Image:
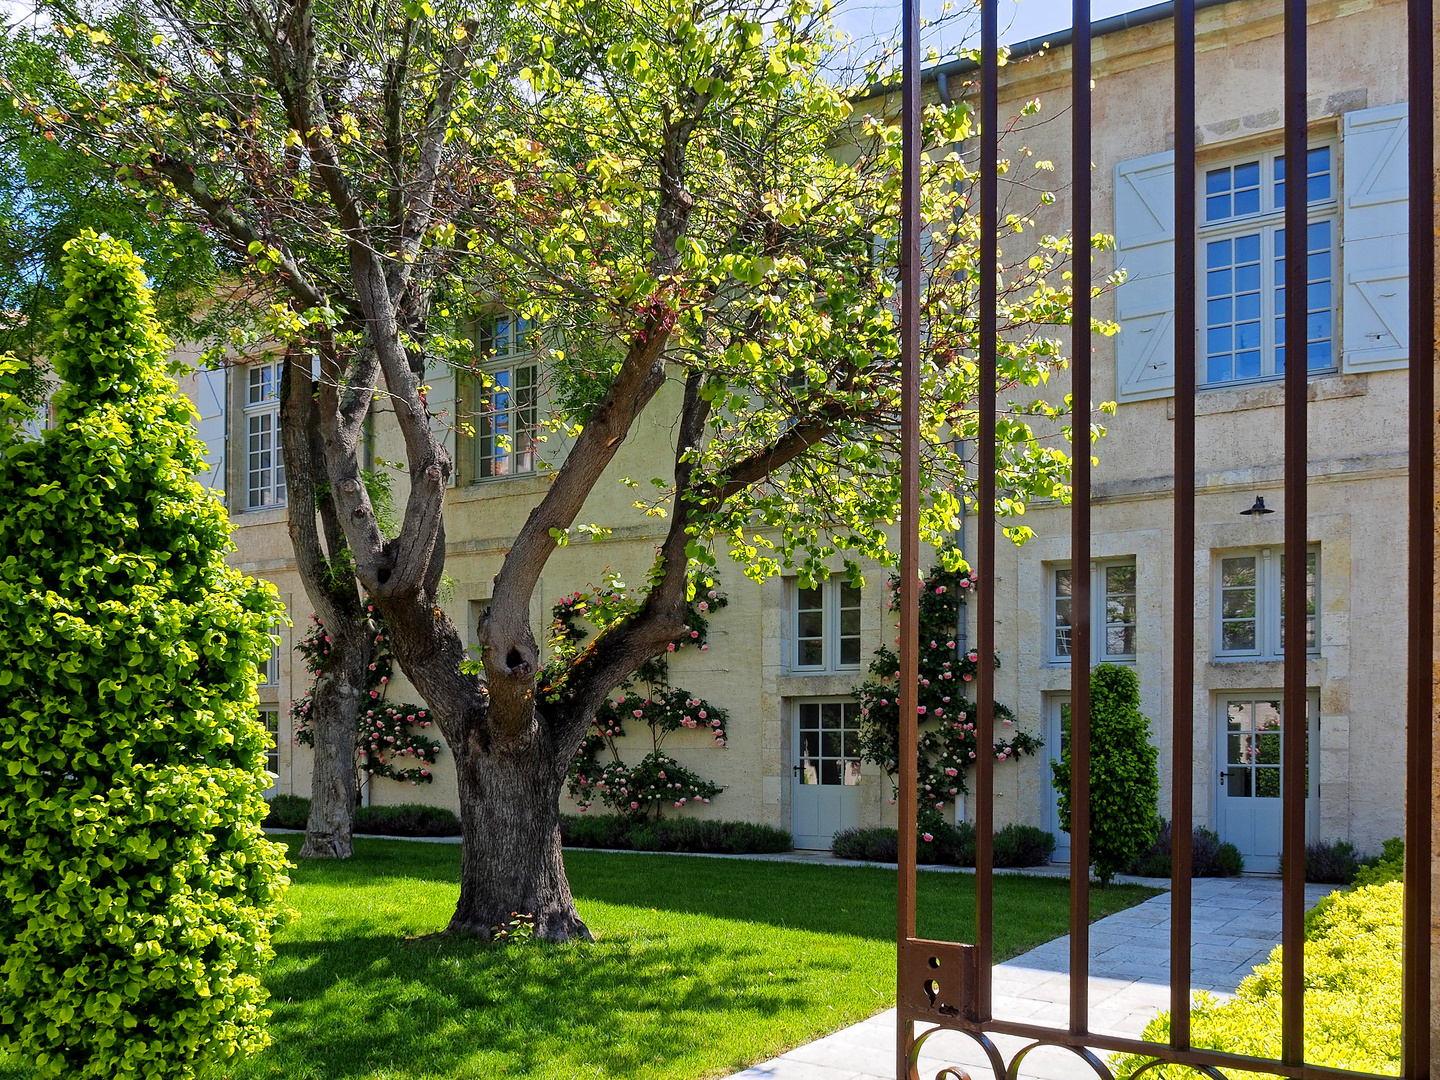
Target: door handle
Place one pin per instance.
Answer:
(795, 770)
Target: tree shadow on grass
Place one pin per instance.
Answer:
(439, 1006)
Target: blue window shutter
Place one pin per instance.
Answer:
(1374, 230)
(210, 402)
(1144, 304)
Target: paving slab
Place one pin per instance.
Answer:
(1236, 924)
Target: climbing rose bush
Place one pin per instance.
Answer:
(945, 706)
(137, 890)
(598, 772)
(390, 739)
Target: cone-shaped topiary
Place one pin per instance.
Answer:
(1124, 780)
(137, 890)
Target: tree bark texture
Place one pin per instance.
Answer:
(339, 690)
(510, 861)
(335, 705)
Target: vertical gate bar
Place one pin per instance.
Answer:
(909, 489)
(1295, 722)
(1419, 794)
(1182, 736)
(1080, 527)
(985, 527)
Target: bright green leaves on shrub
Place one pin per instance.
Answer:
(1124, 778)
(137, 891)
(1352, 995)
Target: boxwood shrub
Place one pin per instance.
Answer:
(673, 834)
(137, 891)
(947, 845)
(1352, 995)
(402, 819)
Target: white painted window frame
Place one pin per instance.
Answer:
(1099, 604)
(1268, 614)
(1269, 219)
(832, 592)
(515, 354)
(273, 492)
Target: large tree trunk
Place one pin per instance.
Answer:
(510, 862)
(335, 705)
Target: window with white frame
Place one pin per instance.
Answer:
(1250, 603)
(270, 666)
(264, 463)
(507, 399)
(1112, 611)
(271, 719)
(1242, 251)
(827, 626)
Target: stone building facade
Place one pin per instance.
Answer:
(759, 668)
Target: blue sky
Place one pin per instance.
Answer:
(867, 20)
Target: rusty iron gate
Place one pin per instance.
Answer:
(947, 985)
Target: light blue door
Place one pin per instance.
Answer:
(825, 770)
(1251, 743)
(1057, 711)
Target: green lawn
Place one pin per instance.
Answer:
(701, 967)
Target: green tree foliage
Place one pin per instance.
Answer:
(945, 701)
(50, 191)
(1124, 779)
(137, 890)
(682, 196)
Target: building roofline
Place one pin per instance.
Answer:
(964, 65)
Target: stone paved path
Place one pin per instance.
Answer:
(1236, 925)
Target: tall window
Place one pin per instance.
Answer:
(264, 465)
(1112, 618)
(827, 626)
(1242, 245)
(1250, 595)
(271, 720)
(506, 406)
(270, 666)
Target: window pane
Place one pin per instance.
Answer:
(1062, 613)
(811, 624)
(1237, 783)
(811, 655)
(1311, 572)
(1267, 783)
(830, 772)
(1238, 637)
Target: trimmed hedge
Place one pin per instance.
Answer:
(1352, 995)
(1208, 856)
(287, 812)
(402, 819)
(948, 845)
(1331, 862)
(406, 819)
(690, 835)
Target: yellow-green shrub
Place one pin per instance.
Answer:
(137, 891)
(1352, 995)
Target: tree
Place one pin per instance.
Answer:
(1124, 779)
(659, 188)
(947, 744)
(139, 891)
(49, 194)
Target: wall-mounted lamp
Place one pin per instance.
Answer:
(1258, 508)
